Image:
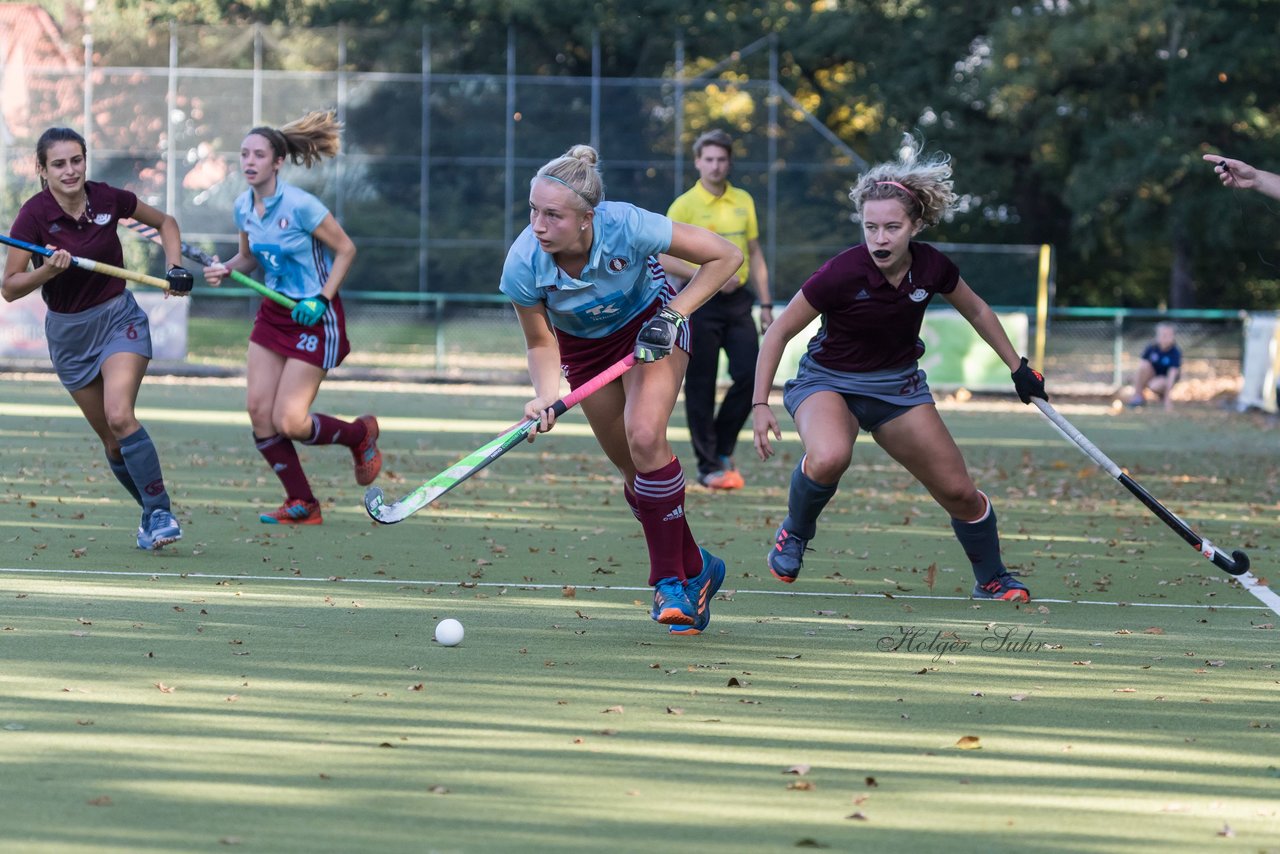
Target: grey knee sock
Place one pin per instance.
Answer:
(121, 471)
(143, 462)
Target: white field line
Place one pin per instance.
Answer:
(603, 588)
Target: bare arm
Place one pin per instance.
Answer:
(717, 259)
(19, 281)
(542, 352)
(760, 278)
(242, 262)
(974, 309)
(798, 314)
(677, 269)
(1240, 175)
(332, 235)
(170, 235)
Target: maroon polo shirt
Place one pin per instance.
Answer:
(869, 325)
(43, 222)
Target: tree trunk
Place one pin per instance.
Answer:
(1182, 287)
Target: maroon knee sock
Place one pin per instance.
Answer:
(660, 506)
(327, 430)
(280, 454)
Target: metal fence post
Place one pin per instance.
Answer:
(440, 303)
(1117, 348)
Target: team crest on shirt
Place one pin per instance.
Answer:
(918, 295)
(283, 223)
(617, 265)
(101, 219)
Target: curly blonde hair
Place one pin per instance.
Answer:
(578, 169)
(923, 186)
(305, 140)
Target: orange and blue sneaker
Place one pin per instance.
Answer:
(294, 511)
(159, 530)
(367, 457)
(1003, 586)
(701, 589)
(787, 555)
(671, 605)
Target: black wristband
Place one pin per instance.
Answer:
(754, 405)
(767, 305)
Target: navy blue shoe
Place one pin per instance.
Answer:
(787, 555)
(1003, 586)
(701, 589)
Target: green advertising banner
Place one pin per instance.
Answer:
(954, 357)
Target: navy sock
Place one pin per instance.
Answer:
(805, 501)
(121, 471)
(143, 463)
(981, 543)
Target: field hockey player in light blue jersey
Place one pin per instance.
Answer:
(588, 289)
(305, 255)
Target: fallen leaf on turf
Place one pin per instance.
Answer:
(417, 687)
(438, 789)
(568, 592)
(1086, 662)
(612, 710)
(798, 770)
(871, 783)
(100, 801)
(931, 575)
(1017, 698)
(969, 742)
(733, 682)
(801, 786)
(792, 657)
(1123, 632)
(164, 689)
(1226, 831)
(810, 843)
(1153, 630)
(229, 840)
(674, 710)
(1124, 690)
(1216, 663)
(857, 816)
(608, 732)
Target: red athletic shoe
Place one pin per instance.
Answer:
(294, 512)
(368, 458)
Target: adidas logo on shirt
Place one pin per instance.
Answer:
(862, 294)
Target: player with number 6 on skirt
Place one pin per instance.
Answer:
(304, 254)
(588, 290)
(861, 370)
(99, 339)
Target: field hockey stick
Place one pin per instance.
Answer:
(88, 264)
(1237, 564)
(389, 514)
(195, 253)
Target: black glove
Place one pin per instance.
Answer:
(658, 336)
(180, 281)
(1028, 382)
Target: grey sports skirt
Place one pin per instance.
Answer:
(874, 397)
(79, 343)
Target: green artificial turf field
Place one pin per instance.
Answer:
(267, 689)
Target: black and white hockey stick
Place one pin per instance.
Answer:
(1236, 565)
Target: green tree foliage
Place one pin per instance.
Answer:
(1075, 122)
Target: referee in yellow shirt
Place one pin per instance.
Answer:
(723, 323)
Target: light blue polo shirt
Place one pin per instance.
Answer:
(621, 278)
(294, 263)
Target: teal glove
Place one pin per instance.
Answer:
(309, 311)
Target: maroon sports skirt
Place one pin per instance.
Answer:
(584, 358)
(324, 345)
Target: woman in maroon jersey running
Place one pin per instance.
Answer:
(99, 339)
(861, 370)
